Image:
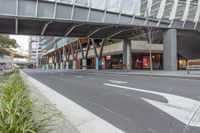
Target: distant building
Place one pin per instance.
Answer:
(33, 48)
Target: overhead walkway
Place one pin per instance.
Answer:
(17, 62)
(96, 18)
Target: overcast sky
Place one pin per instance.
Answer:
(21, 40)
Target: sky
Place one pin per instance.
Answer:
(21, 41)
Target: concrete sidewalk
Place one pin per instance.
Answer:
(156, 73)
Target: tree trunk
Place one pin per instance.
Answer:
(150, 53)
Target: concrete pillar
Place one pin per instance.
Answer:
(61, 65)
(84, 64)
(57, 66)
(97, 63)
(74, 64)
(170, 50)
(67, 65)
(47, 66)
(53, 66)
(127, 56)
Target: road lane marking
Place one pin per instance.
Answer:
(169, 89)
(61, 74)
(79, 76)
(181, 108)
(117, 82)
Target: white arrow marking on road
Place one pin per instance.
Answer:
(117, 82)
(181, 108)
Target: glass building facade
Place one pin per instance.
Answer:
(184, 10)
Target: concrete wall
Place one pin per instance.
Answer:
(142, 46)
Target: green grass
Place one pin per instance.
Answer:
(18, 113)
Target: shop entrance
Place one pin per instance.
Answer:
(141, 61)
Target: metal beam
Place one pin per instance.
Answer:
(161, 9)
(186, 12)
(196, 18)
(116, 33)
(68, 53)
(173, 12)
(64, 54)
(71, 28)
(16, 26)
(81, 48)
(98, 29)
(145, 35)
(45, 27)
(55, 9)
(98, 55)
(17, 7)
(36, 8)
(105, 10)
(88, 48)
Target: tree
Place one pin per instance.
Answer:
(6, 42)
(148, 32)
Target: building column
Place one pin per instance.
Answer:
(127, 55)
(170, 50)
(74, 64)
(97, 63)
(57, 65)
(47, 66)
(61, 65)
(84, 64)
(53, 66)
(67, 65)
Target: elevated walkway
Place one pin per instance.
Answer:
(17, 62)
(106, 20)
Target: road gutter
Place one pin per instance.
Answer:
(82, 119)
(150, 75)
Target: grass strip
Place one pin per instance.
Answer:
(18, 113)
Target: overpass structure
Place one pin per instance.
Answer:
(96, 18)
(108, 19)
(17, 62)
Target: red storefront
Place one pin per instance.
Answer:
(142, 61)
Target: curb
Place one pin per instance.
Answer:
(151, 75)
(82, 119)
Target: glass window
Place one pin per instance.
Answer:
(143, 7)
(192, 12)
(81, 2)
(168, 9)
(127, 6)
(113, 5)
(180, 10)
(98, 4)
(155, 8)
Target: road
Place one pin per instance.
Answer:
(134, 104)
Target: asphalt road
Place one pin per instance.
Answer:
(134, 104)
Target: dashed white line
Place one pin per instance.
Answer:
(79, 76)
(117, 82)
(169, 89)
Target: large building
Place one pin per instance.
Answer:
(34, 50)
(112, 54)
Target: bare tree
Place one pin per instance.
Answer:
(149, 33)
